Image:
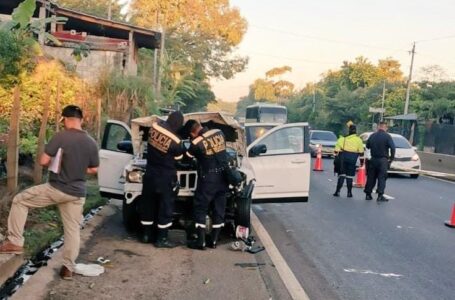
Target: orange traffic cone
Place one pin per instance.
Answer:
(318, 162)
(451, 222)
(360, 180)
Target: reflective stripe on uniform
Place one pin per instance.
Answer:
(146, 223)
(189, 154)
(165, 226)
(166, 132)
(178, 157)
(199, 225)
(218, 225)
(197, 140)
(210, 132)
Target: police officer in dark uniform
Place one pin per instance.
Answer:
(209, 148)
(160, 183)
(382, 150)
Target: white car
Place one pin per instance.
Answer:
(406, 161)
(276, 167)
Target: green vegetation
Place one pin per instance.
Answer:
(348, 92)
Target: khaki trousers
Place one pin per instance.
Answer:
(43, 195)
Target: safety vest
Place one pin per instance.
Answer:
(350, 143)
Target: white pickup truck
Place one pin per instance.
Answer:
(275, 167)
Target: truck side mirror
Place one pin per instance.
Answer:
(257, 150)
(125, 146)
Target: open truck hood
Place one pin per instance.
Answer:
(231, 128)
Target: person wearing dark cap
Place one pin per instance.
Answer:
(70, 155)
(382, 150)
(209, 148)
(160, 180)
(348, 149)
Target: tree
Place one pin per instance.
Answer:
(432, 73)
(203, 32)
(269, 90)
(99, 8)
(389, 70)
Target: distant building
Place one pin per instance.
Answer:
(113, 45)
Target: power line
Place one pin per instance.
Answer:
(325, 39)
(292, 58)
(436, 39)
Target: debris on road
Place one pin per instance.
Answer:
(207, 281)
(89, 270)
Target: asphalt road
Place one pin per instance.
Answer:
(341, 248)
(141, 271)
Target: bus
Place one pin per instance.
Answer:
(266, 113)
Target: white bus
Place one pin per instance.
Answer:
(266, 113)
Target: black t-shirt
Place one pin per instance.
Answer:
(380, 143)
(79, 152)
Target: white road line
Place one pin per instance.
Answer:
(290, 281)
(388, 197)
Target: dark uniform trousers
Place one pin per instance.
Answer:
(377, 171)
(158, 196)
(210, 193)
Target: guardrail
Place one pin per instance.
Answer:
(436, 162)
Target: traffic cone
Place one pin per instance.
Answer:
(360, 180)
(451, 222)
(318, 162)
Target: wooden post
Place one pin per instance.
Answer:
(98, 117)
(57, 107)
(42, 30)
(12, 155)
(38, 169)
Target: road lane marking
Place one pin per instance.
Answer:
(290, 281)
(388, 197)
(387, 275)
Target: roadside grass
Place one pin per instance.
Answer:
(44, 225)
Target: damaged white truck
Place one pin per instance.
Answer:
(275, 168)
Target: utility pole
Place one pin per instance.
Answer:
(382, 102)
(408, 89)
(314, 98)
(109, 10)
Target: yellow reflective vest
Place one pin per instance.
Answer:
(350, 143)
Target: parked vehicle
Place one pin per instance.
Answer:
(275, 167)
(407, 161)
(324, 139)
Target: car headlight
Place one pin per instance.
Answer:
(135, 176)
(415, 157)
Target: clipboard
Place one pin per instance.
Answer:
(55, 165)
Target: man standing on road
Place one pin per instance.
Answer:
(78, 155)
(382, 150)
(209, 148)
(348, 148)
(160, 180)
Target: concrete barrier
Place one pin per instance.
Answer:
(437, 162)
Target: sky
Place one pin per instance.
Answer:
(315, 36)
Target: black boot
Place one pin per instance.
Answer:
(368, 197)
(339, 186)
(162, 240)
(349, 185)
(381, 198)
(213, 238)
(148, 234)
(199, 243)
